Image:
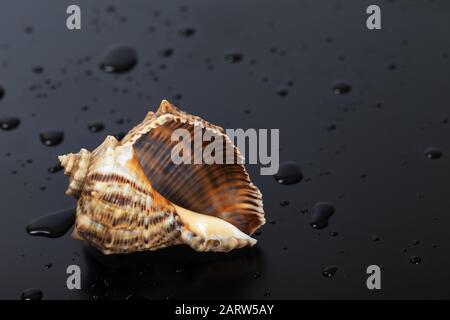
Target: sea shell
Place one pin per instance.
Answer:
(132, 197)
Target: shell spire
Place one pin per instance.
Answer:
(133, 197)
(76, 168)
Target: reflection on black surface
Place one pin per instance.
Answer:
(171, 273)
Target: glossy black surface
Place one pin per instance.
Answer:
(246, 64)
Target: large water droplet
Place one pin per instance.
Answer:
(52, 138)
(321, 212)
(233, 56)
(341, 87)
(32, 294)
(330, 271)
(119, 59)
(9, 123)
(433, 153)
(289, 173)
(52, 225)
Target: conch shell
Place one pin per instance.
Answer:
(132, 197)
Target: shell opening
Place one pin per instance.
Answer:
(75, 167)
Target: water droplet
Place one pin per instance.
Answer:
(282, 92)
(392, 66)
(119, 59)
(331, 127)
(48, 265)
(167, 52)
(233, 56)
(256, 275)
(56, 168)
(284, 203)
(333, 234)
(329, 272)
(9, 123)
(416, 242)
(52, 138)
(415, 259)
(29, 29)
(52, 225)
(32, 294)
(433, 153)
(186, 32)
(376, 238)
(321, 212)
(96, 127)
(341, 87)
(289, 173)
(110, 8)
(38, 69)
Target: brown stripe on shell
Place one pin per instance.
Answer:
(221, 190)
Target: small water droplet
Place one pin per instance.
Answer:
(256, 275)
(9, 123)
(341, 87)
(415, 259)
(282, 92)
(167, 52)
(52, 225)
(52, 138)
(32, 294)
(38, 69)
(376, 238)
(329, 272)
(392, 66)
(321, 212)
(29, 29)
(284, 203)
(119, 59)
(96, 127)
(110, 8)
(333, 234)
(186, 32)
(416, 242)
(233, 56)
(56, 168)
(433, 153)
(289, 173)
(48, 265)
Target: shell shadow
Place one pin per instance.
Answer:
(173, 273)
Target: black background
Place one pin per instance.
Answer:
(396, 109)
